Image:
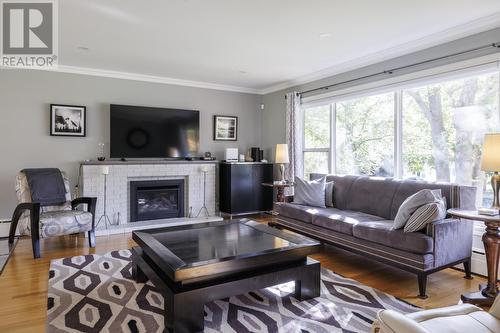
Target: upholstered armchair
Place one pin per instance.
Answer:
(451, 319)
(46, 221)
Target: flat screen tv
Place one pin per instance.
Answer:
(146, 132)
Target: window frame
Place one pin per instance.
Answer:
(332, 115)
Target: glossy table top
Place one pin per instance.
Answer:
(193, 250)
(205, 244)
(473, 215)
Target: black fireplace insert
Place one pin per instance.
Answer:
(156, 199)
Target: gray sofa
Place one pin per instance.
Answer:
(362, 218)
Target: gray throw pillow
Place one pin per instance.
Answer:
(310, 193)
(329, 194)
(426, 214)
(412, 203)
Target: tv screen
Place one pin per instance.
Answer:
(146, 132)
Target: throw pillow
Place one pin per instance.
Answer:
(310, 193)
(424, 215)
(412, 203)
(329, 194)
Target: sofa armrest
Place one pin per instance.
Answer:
(452, 240)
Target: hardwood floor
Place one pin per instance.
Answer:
(24, 282)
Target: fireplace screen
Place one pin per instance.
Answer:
(152, 200)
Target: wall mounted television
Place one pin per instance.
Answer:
(147, 132)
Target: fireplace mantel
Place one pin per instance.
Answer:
(122, 173)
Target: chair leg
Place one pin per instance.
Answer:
(91, 238)
(35, 232)
(422, 285)
(35, 243)
(468, 269)
(12, 230)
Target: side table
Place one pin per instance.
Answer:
(491, 240)
(280, 196)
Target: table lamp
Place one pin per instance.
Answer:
(491, 162)
(282, 158)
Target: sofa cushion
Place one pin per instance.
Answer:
(381, 232)
(311, 193)
(457, 196)
(424, 215)
(372, 195)
(412, 203)
(294, 211)
(341, 220)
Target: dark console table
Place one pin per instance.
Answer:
(240, 189)
(192, 265)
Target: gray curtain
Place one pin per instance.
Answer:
(294, 134)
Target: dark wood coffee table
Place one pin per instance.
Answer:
(194, 264)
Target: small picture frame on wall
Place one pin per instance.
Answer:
(68, 120)
(225, 128)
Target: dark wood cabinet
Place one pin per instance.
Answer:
(241, 190)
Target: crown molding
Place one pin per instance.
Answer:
(448, 35)
(148, 78)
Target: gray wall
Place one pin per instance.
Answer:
(273, 118)
(24, 119)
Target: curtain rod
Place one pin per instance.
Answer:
(391, 71)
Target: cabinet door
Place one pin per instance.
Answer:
(242, 196)
(263, 196)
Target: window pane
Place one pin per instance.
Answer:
(317, 127)
(443, 130)
(315, 162)
(365, 136)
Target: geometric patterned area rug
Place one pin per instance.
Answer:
(96, 293)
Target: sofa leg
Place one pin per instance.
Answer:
(422, 285)
(468, 269)
(91, 238)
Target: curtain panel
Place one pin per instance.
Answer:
(294, 136)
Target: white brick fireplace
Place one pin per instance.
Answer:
(122, 173)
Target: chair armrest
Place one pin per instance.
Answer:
(452, 240)
(90, 202)
(389, 321)
(33, 208)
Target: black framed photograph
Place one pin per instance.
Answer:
(68, 120)
(225, 128)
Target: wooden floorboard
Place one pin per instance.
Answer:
(24, 282)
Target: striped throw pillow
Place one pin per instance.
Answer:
(329, 194)
(424, 215)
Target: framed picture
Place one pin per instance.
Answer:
(225, 128)
(68, 120)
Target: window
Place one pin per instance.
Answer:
(432, 132)
(317, 139)
(443, 130)
(365, 136)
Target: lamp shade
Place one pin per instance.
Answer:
(491, 152)
(282, 154)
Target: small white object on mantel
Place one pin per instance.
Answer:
(105, 170)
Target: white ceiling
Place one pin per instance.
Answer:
(254, 45)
